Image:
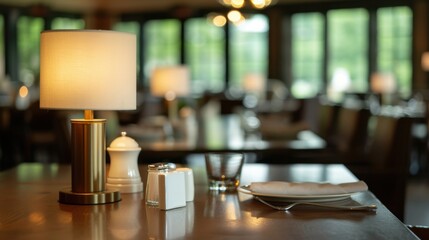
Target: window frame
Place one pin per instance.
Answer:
(372, 36)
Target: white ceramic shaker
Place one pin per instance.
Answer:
(124, 173)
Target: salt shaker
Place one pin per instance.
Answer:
(152, 186)
(124, 173)
(165, 187)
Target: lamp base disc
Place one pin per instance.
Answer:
(69, 197)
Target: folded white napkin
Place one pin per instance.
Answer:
(306, 188)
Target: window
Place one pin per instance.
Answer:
(248, 48)
(394, 45)
(67, 23)
(307, 54)
(161, 45)
(348, 51)
(29, 29)
(205, 55)
(130, 27)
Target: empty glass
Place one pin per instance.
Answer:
(223, 170)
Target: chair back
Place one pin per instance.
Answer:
(390, 146)
(328, 114)
(387, 161)
(352, 130)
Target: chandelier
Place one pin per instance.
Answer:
(258, 4)
(234, 15)
(220, 20)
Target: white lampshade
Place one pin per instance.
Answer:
(87, 69)
(383, 83)
(254, 83)
(171, 79)
(425, 61)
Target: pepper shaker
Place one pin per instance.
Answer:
(124, 173)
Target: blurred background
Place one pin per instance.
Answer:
(274, 58)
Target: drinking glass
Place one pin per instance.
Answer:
(223, 170)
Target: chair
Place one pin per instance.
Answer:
(345, 132)
(47, 136)
(384, 165)
(328, 116)
(9, 140)
(350, 135)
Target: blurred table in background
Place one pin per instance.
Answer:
(223, 133)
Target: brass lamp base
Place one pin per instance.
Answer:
(88, 141)
(68, 197)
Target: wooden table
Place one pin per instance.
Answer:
(29, 210)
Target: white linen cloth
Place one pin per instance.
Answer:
(306, 188)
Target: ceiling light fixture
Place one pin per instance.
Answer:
(258, 4)
(234, 15)
(219, 20)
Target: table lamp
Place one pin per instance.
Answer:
(425, 61)
(88, 70)
(254, 85)
(170, 82)
(383, 84)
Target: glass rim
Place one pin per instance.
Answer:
(224, 153)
